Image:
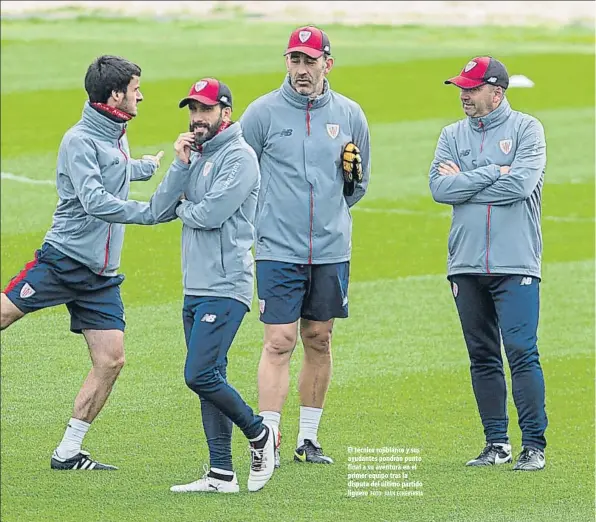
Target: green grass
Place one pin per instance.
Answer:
(401, 373)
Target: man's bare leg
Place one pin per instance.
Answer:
(274, 374)
(106, 348)
(274, 366)
(315, 377)
(9, 313)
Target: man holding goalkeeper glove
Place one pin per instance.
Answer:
(313, 146)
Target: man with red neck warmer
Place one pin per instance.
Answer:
(78, 262)
(213, 185)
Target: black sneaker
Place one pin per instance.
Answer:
(494, 453)
(79, 461)
(530, 459)
(311, 452)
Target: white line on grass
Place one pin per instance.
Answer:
(49, 182)
(23, 179)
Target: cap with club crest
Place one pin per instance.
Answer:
(479, 71)
(309, 40)
(208, 91)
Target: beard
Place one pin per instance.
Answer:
(207, 131)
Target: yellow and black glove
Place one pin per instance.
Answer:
(352, 168)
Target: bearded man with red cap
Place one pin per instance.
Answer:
(212, 187)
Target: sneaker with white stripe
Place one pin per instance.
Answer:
(493, 454)
(80, 461)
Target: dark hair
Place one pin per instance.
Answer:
(109, 73)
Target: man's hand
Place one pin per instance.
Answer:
(448, 169)
(352, 167)
(505, 170)
(182, 146)
(155, 159)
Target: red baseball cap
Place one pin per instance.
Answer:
(309, 40)
(481, 70)
(208, 91)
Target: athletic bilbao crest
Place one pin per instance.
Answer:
(262, 306)
(455, 289)
(333, 130)
(470, 65)
(207, 168)
(199, 86)
(304, 35)
(26, 291)
(505, 146)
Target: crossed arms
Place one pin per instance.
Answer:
(492, 184)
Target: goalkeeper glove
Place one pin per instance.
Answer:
(352, 168)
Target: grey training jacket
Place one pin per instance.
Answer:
(495, 226)
(93, 176)
(221, 187)
(303, 216)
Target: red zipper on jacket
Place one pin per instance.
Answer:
(107, 254)
(119, 147)
(488, 208)
(312, 197)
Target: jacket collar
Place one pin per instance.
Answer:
(102, 125)
(492, 119)
(233, 132)
(299, 100)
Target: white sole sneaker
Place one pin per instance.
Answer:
(262, 463)
(208, 485)
(493, 454)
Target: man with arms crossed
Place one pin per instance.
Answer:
(78, 262)
(490, 168)
(313, 148)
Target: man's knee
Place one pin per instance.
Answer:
(280, 340)
(116, 363)
(202, 381)
(316, 336)
(107, 350)
(520, 354)
(9, 313)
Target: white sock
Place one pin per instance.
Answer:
(309, 424)
(271, 418)
(73, 438)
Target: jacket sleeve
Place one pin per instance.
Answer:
(457, 188)
(361, 138)
(142, 169)
(526, 169)
(167, 194)
(236, 178)
(83, 170)
(253, 129)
